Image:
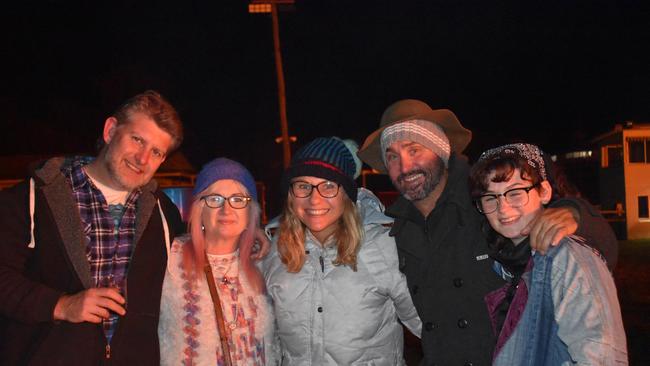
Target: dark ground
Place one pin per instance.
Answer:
(632, 277)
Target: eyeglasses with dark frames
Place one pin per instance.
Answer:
(326, 189)
(217, 200)
(516, 197)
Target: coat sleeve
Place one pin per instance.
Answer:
(586, 307)
(597, 233)
(399, 291)
(22, 299)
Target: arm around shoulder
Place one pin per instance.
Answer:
(596, 231)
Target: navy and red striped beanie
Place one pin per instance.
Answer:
(327, 158)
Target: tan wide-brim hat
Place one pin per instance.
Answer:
(411, 109)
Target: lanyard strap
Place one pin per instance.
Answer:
(224, 335)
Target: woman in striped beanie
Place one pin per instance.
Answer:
(333, 272)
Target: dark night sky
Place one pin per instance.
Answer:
(556, 73)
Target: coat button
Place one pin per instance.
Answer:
(320, 309)
(415, 289)
(428, 326)
(462, 323)
(458, 282)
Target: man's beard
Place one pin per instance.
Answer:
(114, 165)
(432, 176)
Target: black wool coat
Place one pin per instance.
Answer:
(444, 257)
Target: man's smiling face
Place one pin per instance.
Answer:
(134, 151)
(414, 170)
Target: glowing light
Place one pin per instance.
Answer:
(578, 155)
(259, 8)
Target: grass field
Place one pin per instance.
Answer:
(632, 276)
(632, 273)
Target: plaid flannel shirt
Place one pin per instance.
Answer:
(110, 232)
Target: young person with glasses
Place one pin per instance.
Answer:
(214, 307)
(333, 272)
(560, 308)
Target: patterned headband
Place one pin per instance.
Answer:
(531, 153)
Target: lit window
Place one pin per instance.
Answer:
(578, 155)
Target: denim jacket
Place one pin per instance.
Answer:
(572, 314)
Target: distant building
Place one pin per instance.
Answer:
(624, 178)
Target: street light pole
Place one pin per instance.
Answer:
(282, 99)
(263, 6)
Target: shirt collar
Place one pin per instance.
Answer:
(73, 168)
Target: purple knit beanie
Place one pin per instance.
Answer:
(224, 168)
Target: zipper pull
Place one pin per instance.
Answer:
(108, 351)
(322, 263)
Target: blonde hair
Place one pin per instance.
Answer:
(194, 249)
(291, 239)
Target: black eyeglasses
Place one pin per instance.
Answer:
(217, 200)
(516, 197)
(326, 189)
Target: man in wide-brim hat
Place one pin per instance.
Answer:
(441, 247)
(412, 112)
(411, 128)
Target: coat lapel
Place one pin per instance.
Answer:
(145, 206)
(68, 222)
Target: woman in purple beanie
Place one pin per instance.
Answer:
(333, 272)
(214, 307)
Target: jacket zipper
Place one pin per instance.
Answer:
(322, 263)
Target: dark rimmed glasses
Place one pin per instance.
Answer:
(217, 200)
(326, 189)
(516, 197)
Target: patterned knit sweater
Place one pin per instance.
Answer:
(188, 330)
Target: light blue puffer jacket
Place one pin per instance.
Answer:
(331, 315)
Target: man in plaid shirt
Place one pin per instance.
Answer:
(70, 235)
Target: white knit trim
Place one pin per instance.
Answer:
(168, 245)
(411, 127)
(423, 132)
(32, 200)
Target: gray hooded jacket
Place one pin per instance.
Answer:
(331, 315)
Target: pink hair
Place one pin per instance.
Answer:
(194, 249)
